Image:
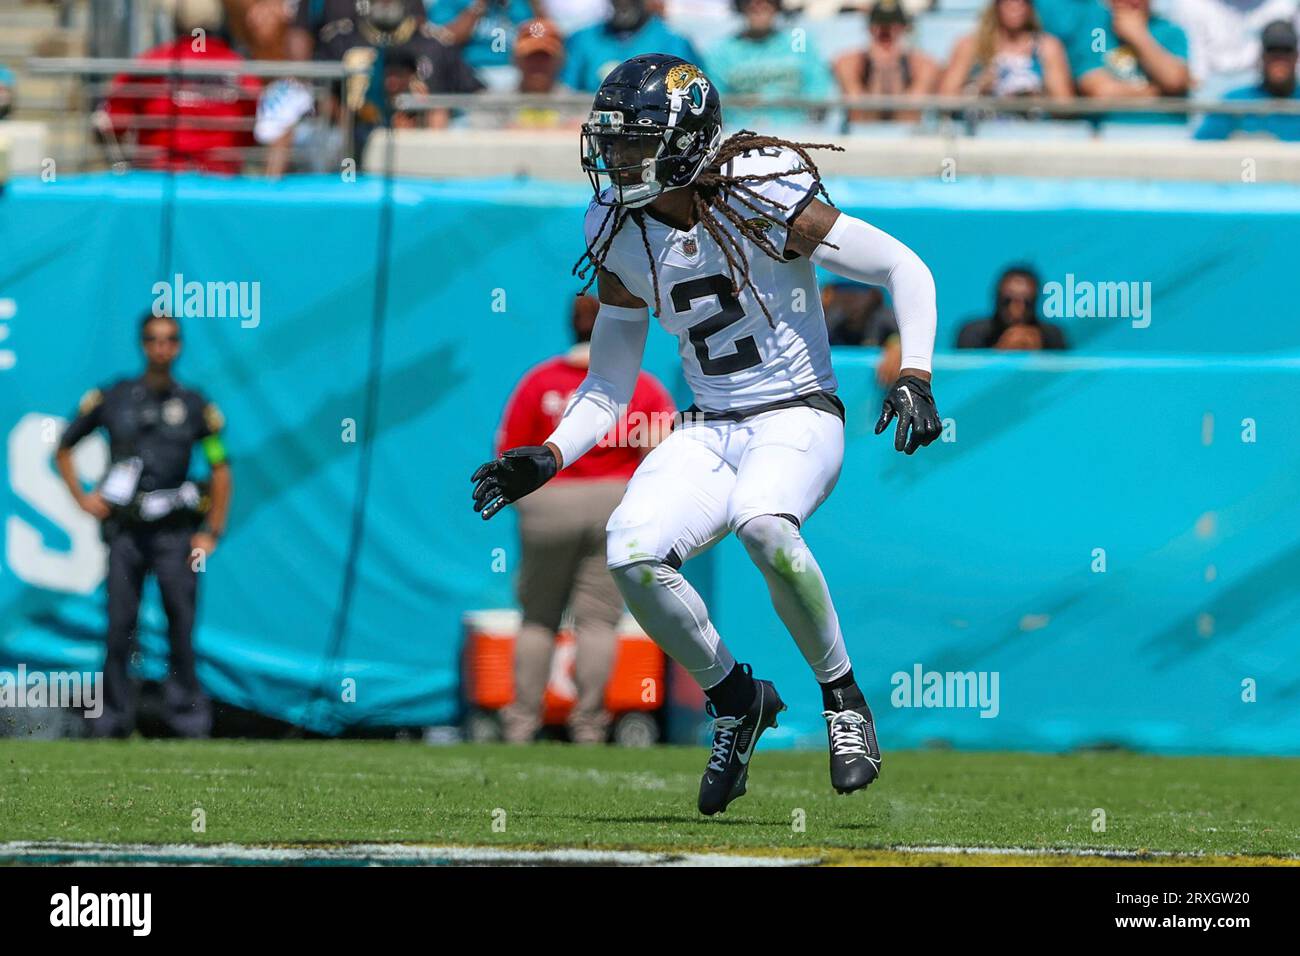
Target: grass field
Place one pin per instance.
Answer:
(295, 793)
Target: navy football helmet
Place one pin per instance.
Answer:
(655, 124)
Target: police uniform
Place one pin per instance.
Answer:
(154, 513)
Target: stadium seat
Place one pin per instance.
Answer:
(937, 33)
(705, 32)
(1143, 132)
(1029, 129)
(835, 35)
(885, 130)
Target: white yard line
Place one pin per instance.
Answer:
(368, 853)
(397, 854)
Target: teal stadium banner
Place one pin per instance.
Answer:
(1104, 550)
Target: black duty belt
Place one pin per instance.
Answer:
(821, 400)
(161, 510)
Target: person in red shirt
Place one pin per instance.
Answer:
(562, 532)
(191, 122)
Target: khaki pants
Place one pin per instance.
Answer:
(562, 527)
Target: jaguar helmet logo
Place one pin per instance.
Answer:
(687, 88)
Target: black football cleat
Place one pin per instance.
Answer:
(734, 739)
(855, 755)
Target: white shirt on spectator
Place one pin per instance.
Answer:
(573, 15)
(1223, 35)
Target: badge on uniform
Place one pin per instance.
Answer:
(690, 247)
(174, 412)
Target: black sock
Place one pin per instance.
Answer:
(843, 693)
(732, 696)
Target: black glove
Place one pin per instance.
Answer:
(518, 472)
(911, 400)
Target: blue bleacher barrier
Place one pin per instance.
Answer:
(977, 555)
(982, 556)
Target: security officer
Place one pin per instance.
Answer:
(153, 519)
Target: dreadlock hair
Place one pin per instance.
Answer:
(712, 191)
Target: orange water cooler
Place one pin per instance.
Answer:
(635, 695)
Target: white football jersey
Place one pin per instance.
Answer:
(732, 357)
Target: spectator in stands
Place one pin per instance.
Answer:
(296, 138)
(763, 60)
(562, 532)
(1278, 81)
(383, 42)
(1130, 52)
(484, 32)
(1223, 39)
(856, 314)
(539, 55)
(260, 27)
(630, 29)
(6, 91)
(1014, 324)
(1008, 55)
(403, 74)
(707, 10)
(1063, 18)
(887, 66)
(202, 123)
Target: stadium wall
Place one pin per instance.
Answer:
(410, 309)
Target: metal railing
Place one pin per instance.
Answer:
(99, 140)
(579, 103)
(262, 69)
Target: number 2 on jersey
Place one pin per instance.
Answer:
(746, 349)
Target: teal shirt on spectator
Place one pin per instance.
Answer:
(770, 67)
(1064, 18)
(1222, 126)
(497, 26)
(1119, 60)
(592, 53)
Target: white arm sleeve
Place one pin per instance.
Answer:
(617, 344)
(866, 254)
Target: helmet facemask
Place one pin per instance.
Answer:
(641, 161)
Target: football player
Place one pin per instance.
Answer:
(720, 239)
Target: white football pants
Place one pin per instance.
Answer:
(705, 480)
